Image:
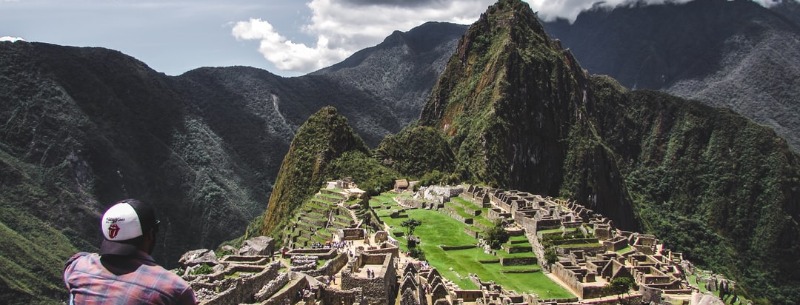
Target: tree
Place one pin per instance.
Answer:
(550, 255)
(620, 285)
(410, 224)
(497, 235)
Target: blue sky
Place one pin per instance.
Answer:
(285, 37)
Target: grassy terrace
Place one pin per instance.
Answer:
(467, 203)
(382, 200)
(440, 229)
(557, 230)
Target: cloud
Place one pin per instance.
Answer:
(11, 39)
(549, 10)
(398, 3)
(344, 27)
(285, 54)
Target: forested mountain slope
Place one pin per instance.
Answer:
(519, 112)
(734, 54)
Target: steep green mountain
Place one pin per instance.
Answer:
(401, 152)
(519, 112)
(325, 136)
(84, 127)
(734, 54)
(710, 183)
(508, 101)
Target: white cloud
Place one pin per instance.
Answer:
(11, 39)
(569, 9)
(342, 28)
(285, 54)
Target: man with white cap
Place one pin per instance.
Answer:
(124, 272)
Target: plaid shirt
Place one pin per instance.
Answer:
(123, 280)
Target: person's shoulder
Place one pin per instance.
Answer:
(170, 276)
(180, 289)
(76, 257)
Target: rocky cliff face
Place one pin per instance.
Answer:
(400, 71)
(520, 113)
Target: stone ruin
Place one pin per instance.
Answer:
(591, 253)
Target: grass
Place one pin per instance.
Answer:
(439, 229)
(585, 245)
(624, 250)
(728, 299)
(460, 210)
(466, 203)
(557, 230)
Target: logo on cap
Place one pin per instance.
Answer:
(113, 230)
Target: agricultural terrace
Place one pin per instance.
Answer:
(439, 229)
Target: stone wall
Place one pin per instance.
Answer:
(332, 296)
(394, 251)
(468, 295)
(573, 277)
(242, 289)
(320, 253)
(633, 298)
(472, 232)
(495, 214)
(374, 290)
(291, 293)
(272, 287)
(453, 214)
(517, 248)
(379, 290)
(615, 245)
(330, 267)
(517, 261)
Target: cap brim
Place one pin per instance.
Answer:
(117, 248)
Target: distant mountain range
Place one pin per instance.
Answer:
(732, 54)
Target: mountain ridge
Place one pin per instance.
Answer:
(734, 54)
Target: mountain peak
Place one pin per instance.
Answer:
(508, 79)
(325, 136)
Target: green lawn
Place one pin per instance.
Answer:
(584, 245)
(567, 230)
(466, 203)
(440, 229)
(460, 211)
(624, 250)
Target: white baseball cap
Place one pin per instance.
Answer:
(122, 223)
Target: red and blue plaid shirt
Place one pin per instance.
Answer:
(123, 280)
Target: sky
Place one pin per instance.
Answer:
(285, 37)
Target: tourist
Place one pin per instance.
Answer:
(124, 272)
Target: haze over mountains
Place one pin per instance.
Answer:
(732, 54)
(82, 127)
